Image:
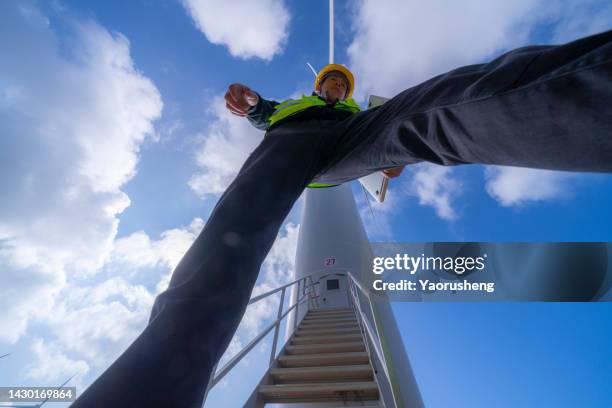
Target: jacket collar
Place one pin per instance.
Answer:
(324, 100)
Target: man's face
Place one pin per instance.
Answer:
(334, 87)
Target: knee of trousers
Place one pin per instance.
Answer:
(293, 153)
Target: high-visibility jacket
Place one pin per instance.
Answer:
(292, 106)
(270, 113)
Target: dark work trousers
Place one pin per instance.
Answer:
(547, 107)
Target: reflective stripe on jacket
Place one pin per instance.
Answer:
(293, 106)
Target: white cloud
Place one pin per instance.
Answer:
(434, 186)
(249, 28)
(138, 250)
(24, 292)
(74, 112)
(87, 328)
(398, 43)
(225, 145)
(53, 365)
(90, 324)
(96, 322)
(517, 185)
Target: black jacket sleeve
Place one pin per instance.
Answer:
(258, 115)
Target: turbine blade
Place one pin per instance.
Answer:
(47, 399)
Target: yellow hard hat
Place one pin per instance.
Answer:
(336, 67)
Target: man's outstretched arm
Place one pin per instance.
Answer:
(243, 101)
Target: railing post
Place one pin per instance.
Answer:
(297, 309)
(276, 329)
(315, 301)
(312, 293)
(210, 382)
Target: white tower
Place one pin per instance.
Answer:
(332, 242)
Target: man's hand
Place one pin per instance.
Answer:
(239, 99)
(393, 172)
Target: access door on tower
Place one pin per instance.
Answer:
(333, 292)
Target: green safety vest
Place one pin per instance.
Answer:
(293, 106)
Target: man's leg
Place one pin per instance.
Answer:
(545, 107)
(193, 321)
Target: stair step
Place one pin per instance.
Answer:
(325, 348)
(310, 331)
(323, 359)
(327, 325)
(322, 374)
(313, 320)
(347, 338)
(343, 312)
(331, 317)
(328, 318)
(351, 391)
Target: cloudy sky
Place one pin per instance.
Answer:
(115, 145)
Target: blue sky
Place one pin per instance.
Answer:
(115, 145)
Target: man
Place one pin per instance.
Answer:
(333, 85)
(541, 107)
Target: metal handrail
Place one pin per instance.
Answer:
(307, 290)
(362, 329)
(363, 320)
(273, 291)
(373, 333)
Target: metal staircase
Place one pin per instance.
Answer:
(333, 357)
(326, 360)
